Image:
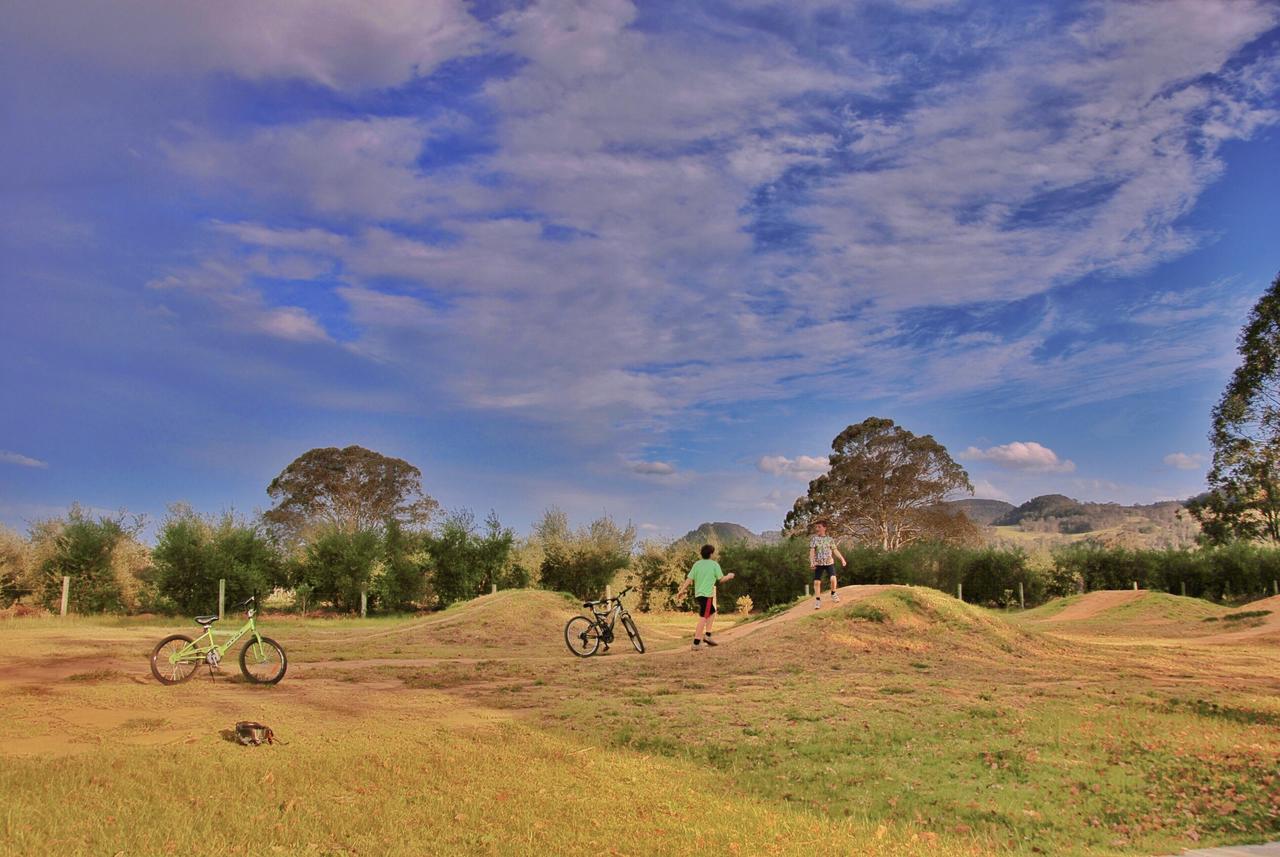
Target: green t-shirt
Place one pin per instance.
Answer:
(704, 574)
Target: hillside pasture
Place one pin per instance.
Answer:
(898, 722)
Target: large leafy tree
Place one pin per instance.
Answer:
(1243, 501)
(348, 490)
(884, 487)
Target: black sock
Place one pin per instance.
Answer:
(706, 633)
(697, 642)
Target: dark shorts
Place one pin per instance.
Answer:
(821, 571)
(706, 606)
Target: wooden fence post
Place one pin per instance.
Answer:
(364, 603)
(1184, 589)
(806, 590)
(66, 593)
(1135, 586)
(960, 591)
(1275, 588)
(1022, 598)
(222, 596)
(608, 592)
(493, 589)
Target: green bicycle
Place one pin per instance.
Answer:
(177, 657)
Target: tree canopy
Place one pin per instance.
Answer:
(884, 488)
(1243, 501)
(349, 490)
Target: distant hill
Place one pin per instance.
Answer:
(981, 512)
(1052, 519)
(723, 533)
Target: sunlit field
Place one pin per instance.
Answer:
(899, 722)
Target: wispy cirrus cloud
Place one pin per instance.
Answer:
(994, 185)
(7, 457)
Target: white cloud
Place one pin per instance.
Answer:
(1080, 152)
(21, 460)
(805, 467)
(986, 490)
(1021, 455)
(1185, 461)
(226, 288)
(334, 43)
(653, 468)
(362, 167)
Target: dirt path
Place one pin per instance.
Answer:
(1096, 602)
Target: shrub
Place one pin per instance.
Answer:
(768, 574)
(338, 566)
(102, 557)
(586, 561)
(193, 553)
(464, 563)
(744, 604)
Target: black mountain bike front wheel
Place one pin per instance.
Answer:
(263, 664)
(634, 633)
(582, 636)
(167, 667)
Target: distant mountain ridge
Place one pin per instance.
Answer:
(981, 512)
(1041, 523)
(725, 533)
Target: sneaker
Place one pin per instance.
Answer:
(817, 604)
(696, 648)
(707, 641)
(835, 596)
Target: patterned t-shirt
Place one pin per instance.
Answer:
(822, 546)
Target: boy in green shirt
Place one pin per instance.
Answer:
(704, 574)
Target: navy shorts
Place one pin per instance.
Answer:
(821, 571)
(706, 605)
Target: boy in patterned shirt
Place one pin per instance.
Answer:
(821, 549)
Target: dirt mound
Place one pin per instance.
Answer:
(515, 618)
(1256, 621)
(1127, 611)
(1091, 604)
(1272, 604)
(513, 622)
(899, 618)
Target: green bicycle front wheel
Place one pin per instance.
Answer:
(582, 636)
(175, 659)
(263, 663)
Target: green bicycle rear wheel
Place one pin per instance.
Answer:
(265, 663)
(174, 659)
(582, 636)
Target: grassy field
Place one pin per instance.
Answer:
(900, 723)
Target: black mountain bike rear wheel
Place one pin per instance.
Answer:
(582, 636)
(634, 633)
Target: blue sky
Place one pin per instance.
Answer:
(644, 259)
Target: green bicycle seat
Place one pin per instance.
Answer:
(206, 620)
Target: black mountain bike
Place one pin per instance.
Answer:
(584, 635)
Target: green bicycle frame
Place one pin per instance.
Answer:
(197, 649)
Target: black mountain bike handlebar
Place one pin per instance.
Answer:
(617, 597)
